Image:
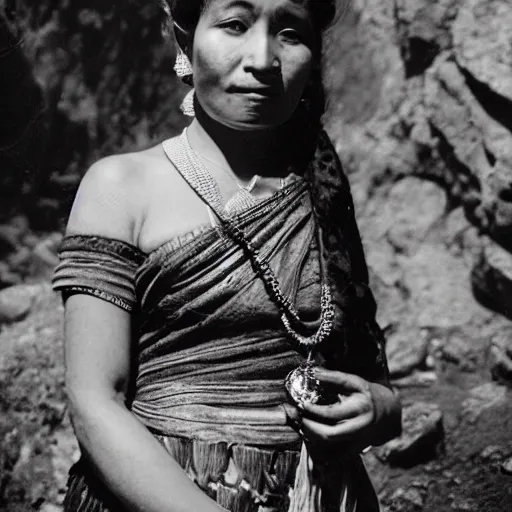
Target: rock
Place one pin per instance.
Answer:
(411, 499)
(10, 447)
(12, 232)
(457, 351)
(492, 278)
(493, 453)
(464, 505)
(501, 356)
(15, 303)
(412, 209)
(482, 398)
(474, 141)
(7, 276)
(506, 467)
(44, 256)
(424, 27)
(486, 24)
(422, 438)
(19, 261)
(438, 286)
(8, 239)
(406, 351)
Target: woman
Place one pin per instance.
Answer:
(201, 274)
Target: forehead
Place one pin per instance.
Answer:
(268, 7)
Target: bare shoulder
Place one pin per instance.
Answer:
(113, 194)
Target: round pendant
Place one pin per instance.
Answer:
(302, 385)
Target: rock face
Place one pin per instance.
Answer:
(427, 143)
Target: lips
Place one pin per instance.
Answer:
(256, 92)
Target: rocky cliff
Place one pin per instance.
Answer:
(420, 95)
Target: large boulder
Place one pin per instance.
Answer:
(422, 438)
(15, 303)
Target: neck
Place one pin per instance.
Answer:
(245, 152)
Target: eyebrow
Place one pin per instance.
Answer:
(240, 3)
(295, 14)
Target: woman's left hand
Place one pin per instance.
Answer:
(364, 414)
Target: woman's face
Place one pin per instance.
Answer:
(252, 60)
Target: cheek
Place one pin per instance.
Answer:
(296, 73)
(206, 69)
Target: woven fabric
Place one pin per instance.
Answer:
(212, 351)
(239, 478)
(100, 267)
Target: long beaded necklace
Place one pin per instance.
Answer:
(300, 383)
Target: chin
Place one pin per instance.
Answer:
(252, 122)
(250, 116)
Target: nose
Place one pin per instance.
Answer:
(261, 56)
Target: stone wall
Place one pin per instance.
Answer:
(421, 110)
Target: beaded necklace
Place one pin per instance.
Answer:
(300, 383)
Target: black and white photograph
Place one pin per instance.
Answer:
(256, 256)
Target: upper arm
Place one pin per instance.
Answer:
(98, 333)
(97, 350)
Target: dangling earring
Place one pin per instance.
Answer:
(182, 67)
(183, 70)
(187, 105)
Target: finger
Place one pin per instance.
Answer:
(292, 413)
(345, 408)
(345, 431)
(341, 380)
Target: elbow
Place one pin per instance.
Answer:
(80, 411)
(88, 409)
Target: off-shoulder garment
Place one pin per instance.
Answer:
(213, 353)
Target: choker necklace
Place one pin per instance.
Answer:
(248, 188)
(300, 383)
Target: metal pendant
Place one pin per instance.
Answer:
(302, 385)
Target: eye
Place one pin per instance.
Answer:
(235, 26)
(290, 36)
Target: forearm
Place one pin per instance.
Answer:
(387, 413)
(132, 463)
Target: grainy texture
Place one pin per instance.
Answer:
(420, 110)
